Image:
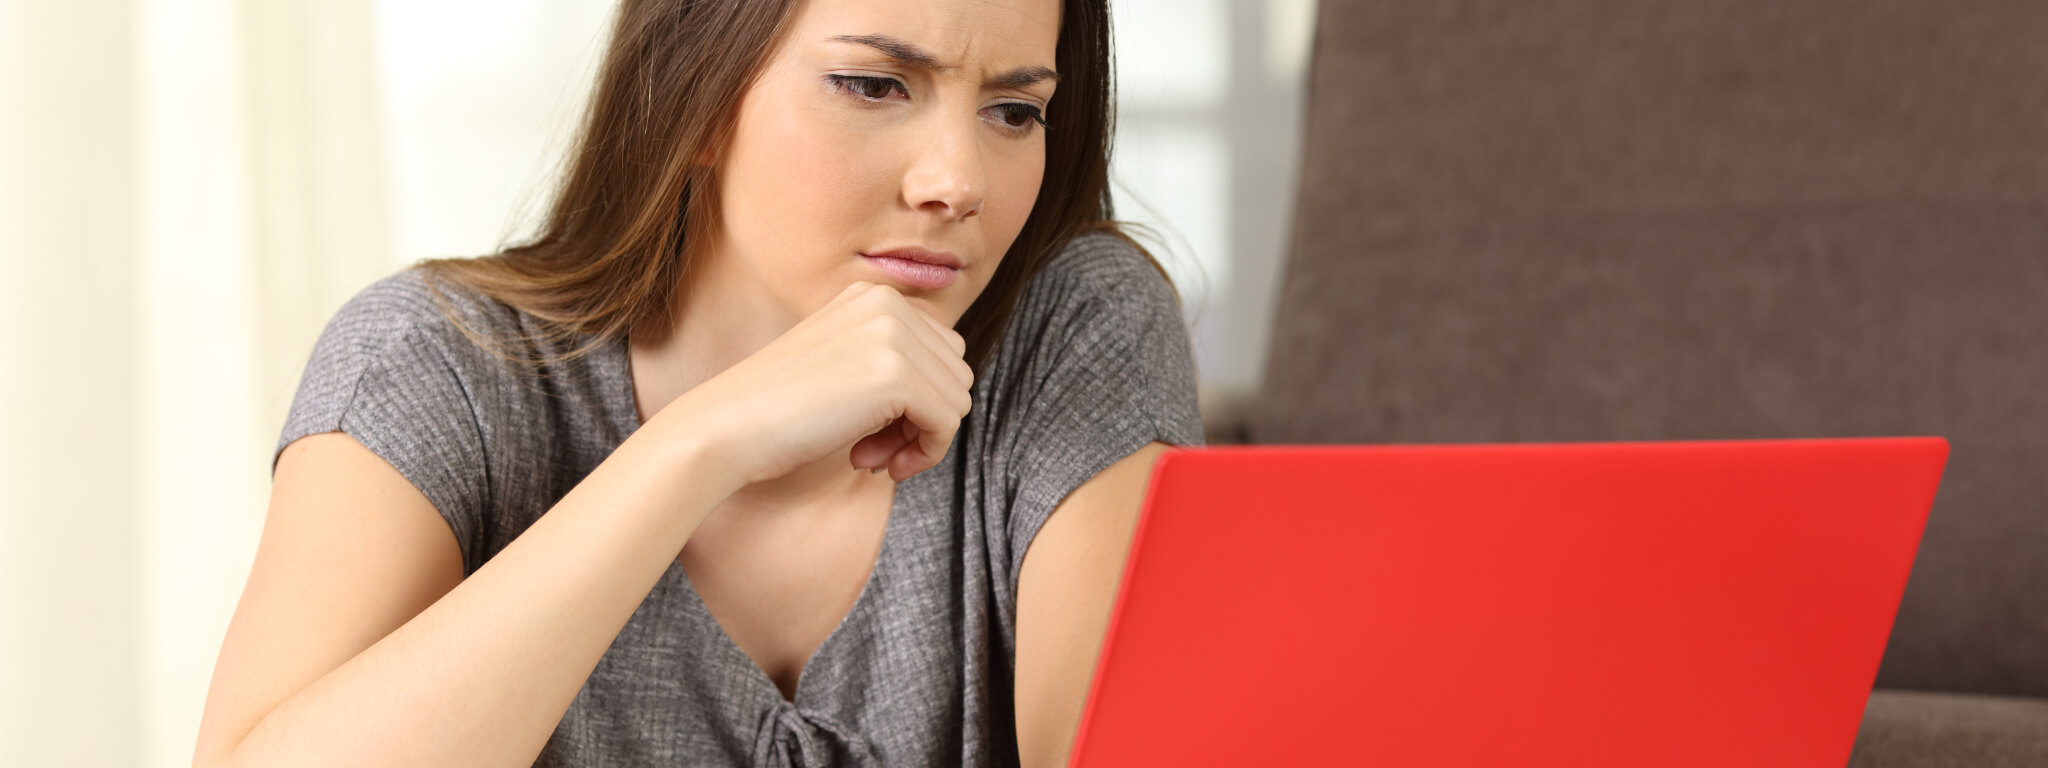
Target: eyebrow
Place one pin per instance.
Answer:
(907, 53)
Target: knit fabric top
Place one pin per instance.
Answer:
(1094, 365)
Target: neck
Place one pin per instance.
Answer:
(723, 318)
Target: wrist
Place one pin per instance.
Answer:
(693, 450)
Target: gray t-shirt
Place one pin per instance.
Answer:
(1094, 365)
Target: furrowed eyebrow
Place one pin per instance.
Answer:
(908, 53)
(900, 50)
(1024, 76)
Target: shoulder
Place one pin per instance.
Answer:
(1095, 366)
(396, 370)
(1100, 288)
(1100, 270)
(413, 309)
(1098, 326)
(404, 352)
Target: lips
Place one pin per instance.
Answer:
(915, 268)
(919, 255)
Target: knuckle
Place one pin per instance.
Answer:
(883, 327)
(854, 293)
(891, 330)
(900, 331)
(891, 366)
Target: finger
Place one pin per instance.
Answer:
(851, 291)
(850, 295)
(941, 346)
(945, 343)
(951, 339)
(903, 307)
(949, 376)
(911, 459)
(910, 462)
(932, 421)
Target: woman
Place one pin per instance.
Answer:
(739, 461)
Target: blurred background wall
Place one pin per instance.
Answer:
(189, 188)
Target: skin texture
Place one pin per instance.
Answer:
(1064, 597)
(795, 364)
(820, 170)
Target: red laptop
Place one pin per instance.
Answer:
(1585, 605)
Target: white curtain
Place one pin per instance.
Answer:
(187, 189)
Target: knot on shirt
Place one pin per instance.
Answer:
(792, 738)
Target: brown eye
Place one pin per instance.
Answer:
(1019, 117)
(867, 88)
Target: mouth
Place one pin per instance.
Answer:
(916, 268)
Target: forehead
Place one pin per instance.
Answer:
(966, 34)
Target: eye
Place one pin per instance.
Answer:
(1019, 117)
(866, 87)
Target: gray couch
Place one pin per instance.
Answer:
(1581, 220)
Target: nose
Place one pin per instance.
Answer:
(946, 177)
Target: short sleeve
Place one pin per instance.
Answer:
(1096, 364)
(390, 371)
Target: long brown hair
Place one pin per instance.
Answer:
(615, 243)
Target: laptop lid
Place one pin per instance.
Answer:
(1586, 605)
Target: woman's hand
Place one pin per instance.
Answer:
(869, 369)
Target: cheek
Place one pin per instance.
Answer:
(1019, 188)
(796, 184)
(1013, 188)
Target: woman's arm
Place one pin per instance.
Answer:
(358, 642)
(1064, 595)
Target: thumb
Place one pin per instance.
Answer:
(873, 451)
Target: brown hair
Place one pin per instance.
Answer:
(614, 245)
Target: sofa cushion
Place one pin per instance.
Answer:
(1588, 220)
(1905, 729)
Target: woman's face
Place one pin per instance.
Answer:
(890, 141)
